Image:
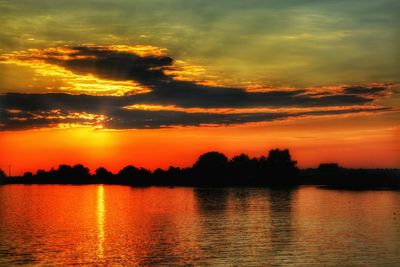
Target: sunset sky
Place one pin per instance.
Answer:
(155, 83)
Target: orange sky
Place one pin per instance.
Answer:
(311, 141)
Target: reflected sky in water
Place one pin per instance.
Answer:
(116, 225)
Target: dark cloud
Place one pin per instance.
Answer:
(187, 94)
(72, 103)
(40, 119)
(126, 119)
(113, 64)
(26, 111)
(116, 65)
(361, 90)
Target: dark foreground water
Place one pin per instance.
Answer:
(115, 225)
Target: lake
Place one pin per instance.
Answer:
(107, 225)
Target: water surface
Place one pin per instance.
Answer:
(116, 225)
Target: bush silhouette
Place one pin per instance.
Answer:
(28, 175)
(329, 167)
(2, 174)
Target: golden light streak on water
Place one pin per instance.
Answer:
(100, 216)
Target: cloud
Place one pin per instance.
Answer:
(361, 90)
(22, 120)
(27, 111)
(114, 64)
(148, 67)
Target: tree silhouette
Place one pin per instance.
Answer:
(131, 174)
(80, 171)
(103, 175)
(128, 172)
(281, 159)
(173, 176)
(280, 167)
(240, 165)
(65, 172)
(211, 168)
(243, 170)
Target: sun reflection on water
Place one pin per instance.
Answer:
(100, 215)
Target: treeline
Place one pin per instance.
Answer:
(216, 170)
(331, 175)
(211, 169)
